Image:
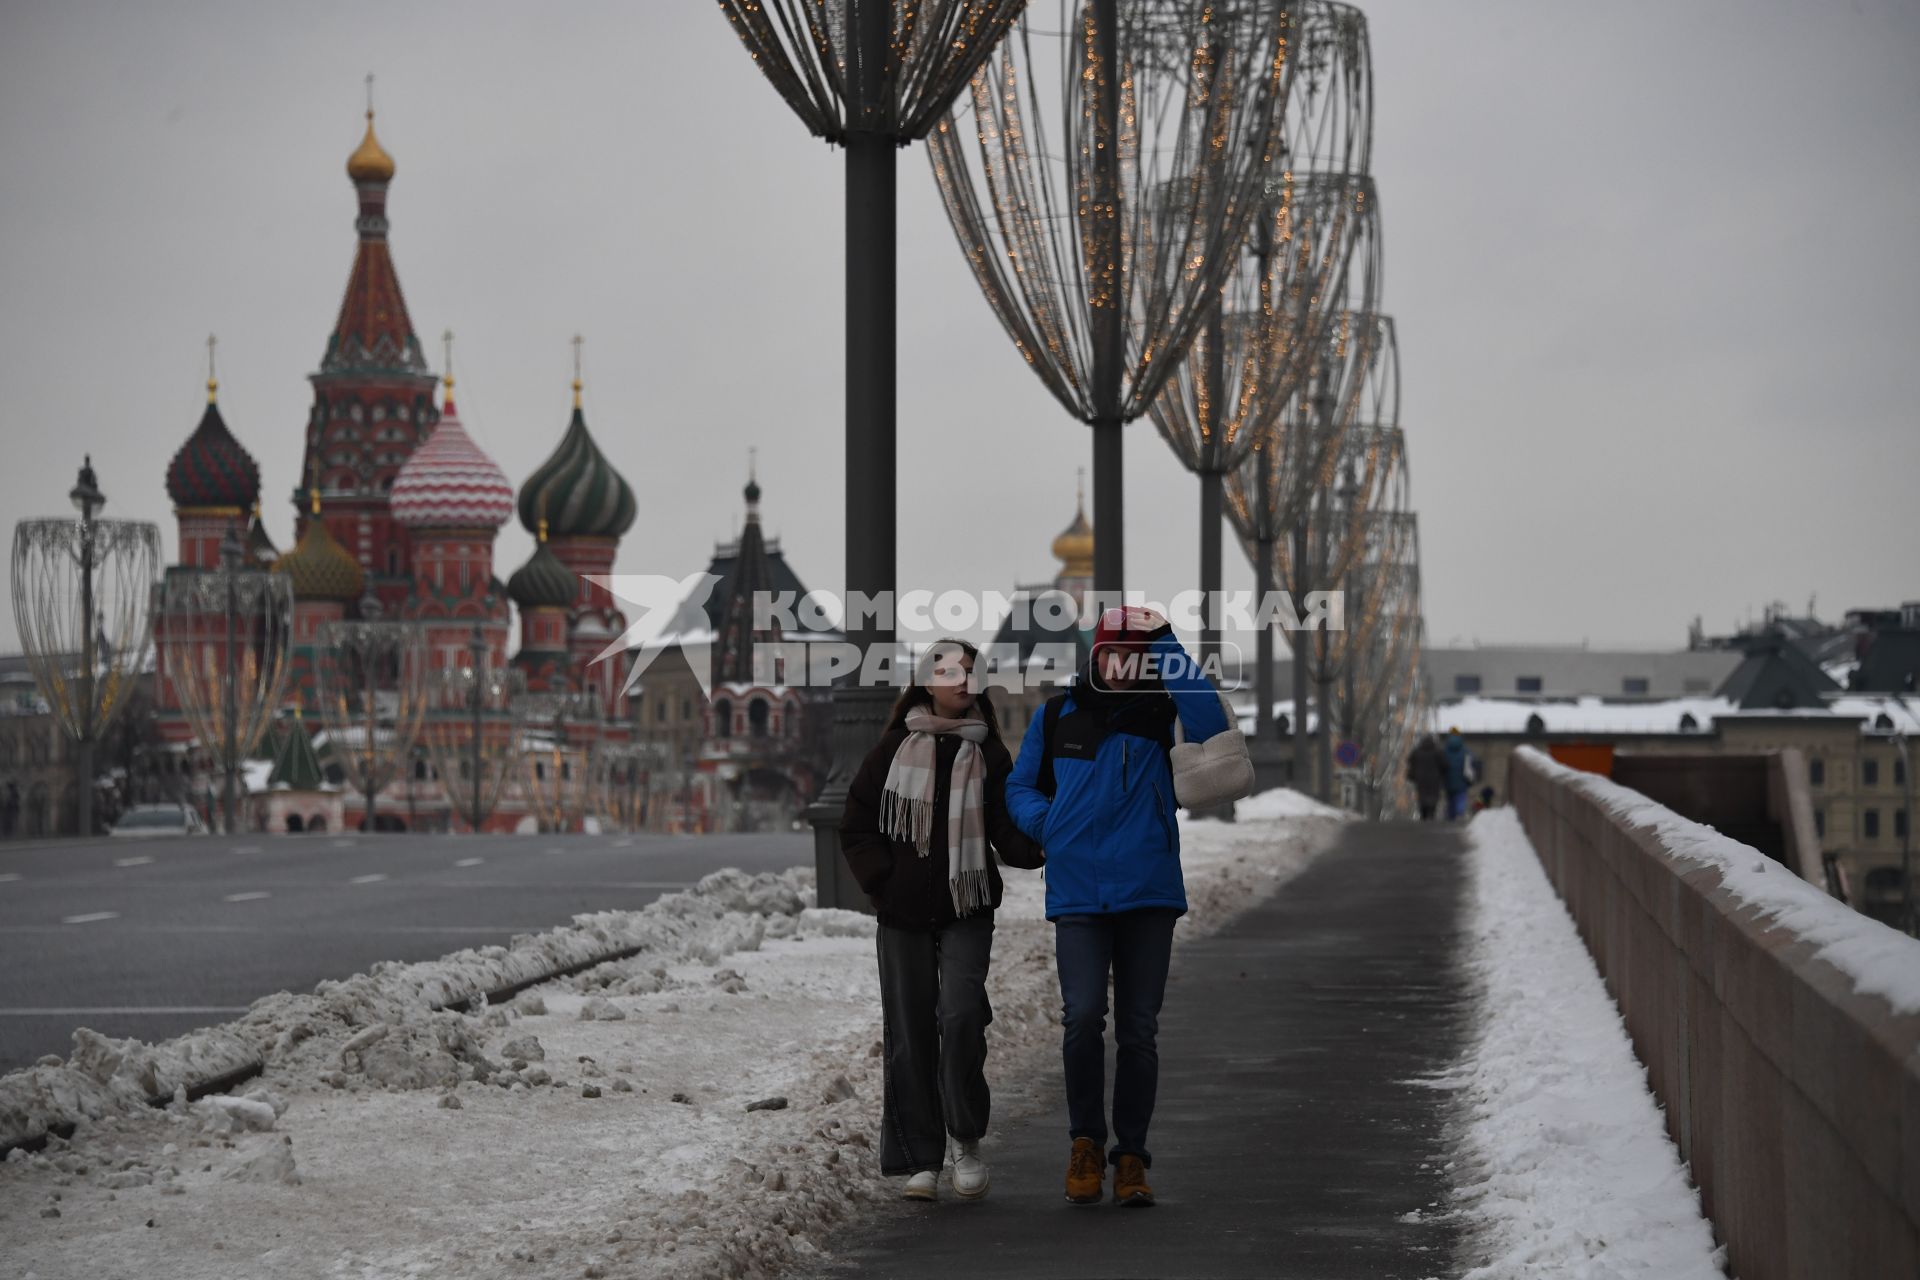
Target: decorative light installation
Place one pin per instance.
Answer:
(871, 76)
(1362, 477)
(470, 732)
(83, 601)
(225, 648)
(1316, 205)
(556, 733)
(622, 772)
(1101, 237)
(373, 684)
(1379, 701)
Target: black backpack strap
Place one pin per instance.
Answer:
(1049, 718)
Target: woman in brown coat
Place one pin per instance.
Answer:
(925, 817)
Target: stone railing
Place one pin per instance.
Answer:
(1779, 1028)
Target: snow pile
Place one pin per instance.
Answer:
(704, 1107)
(1880, 960)
(384, 1028)
(1564, 1165)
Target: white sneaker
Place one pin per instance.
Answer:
(969, 1172)
(924, 1185)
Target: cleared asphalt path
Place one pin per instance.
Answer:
(1291, 1140)
(150, 938)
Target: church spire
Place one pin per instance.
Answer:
(374, 333)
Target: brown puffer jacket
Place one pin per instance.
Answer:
(909, 891)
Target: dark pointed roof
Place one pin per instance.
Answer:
(212, 469)
(1025, 628)
(752, 574)
(577, 489)
(1776, 676)
(295, 762)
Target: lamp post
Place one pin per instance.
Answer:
(76, 582)
(470, 731)
(871, 76)
(373, 693)
(477, 654)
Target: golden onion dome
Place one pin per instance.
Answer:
(320, 567)
(1074, 547)
(370, 163)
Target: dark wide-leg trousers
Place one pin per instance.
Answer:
(934, 1013)
(1136, 948)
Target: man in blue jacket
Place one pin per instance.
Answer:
(1094, 785)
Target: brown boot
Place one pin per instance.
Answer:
(1085, 1170)
(1130, 1187)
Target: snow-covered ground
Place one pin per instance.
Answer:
(598, 1126)
(1563, 1167)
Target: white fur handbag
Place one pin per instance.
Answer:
(1214, 772)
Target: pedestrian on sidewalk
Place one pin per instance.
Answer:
(1458, 775)
(1094, 784)
(925, 816)
(1427, 771)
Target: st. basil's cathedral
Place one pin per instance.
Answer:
(397, 508)
(396, 513)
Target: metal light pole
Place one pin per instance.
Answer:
(87, 499)
(872, 76)
(470, 731)
(75, 582)
(232, 553)
(477, 652)
(373, 693)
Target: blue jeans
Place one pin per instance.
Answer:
(1136, 947)
(1456, 804)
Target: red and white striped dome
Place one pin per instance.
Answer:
(450, 482)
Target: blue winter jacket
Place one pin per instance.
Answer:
(1455, 749)
(1109, 832)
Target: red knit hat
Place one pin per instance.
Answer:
(1118, 625)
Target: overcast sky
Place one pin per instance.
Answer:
(1653, 264)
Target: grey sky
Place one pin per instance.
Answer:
(1653, 266)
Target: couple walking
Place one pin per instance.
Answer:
(1091, 799)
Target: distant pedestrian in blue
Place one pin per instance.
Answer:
(1458, 779)
(1094, 785)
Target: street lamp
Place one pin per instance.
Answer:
(77, 583)
(470, 731)
(225, 650)
(372, 683)
(871, 76)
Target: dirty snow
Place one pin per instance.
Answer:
(597, 1125)
(1563, 1166)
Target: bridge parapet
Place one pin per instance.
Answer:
(1780, 1029)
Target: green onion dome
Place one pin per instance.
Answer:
(543, 582)
(577, 489)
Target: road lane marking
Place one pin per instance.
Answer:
(246, 848)
(89, 1011)
(469, 862)
(140, 861)
(90, 917)
(11, 875)
(375, 878)
(249, 896)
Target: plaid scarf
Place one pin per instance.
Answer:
(906, 803)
